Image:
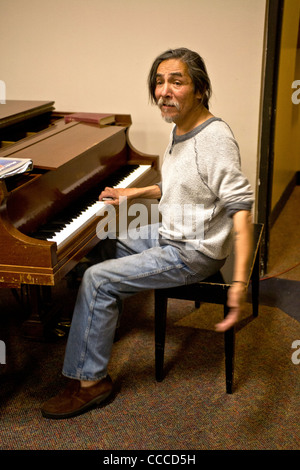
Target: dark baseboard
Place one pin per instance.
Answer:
(295, 181)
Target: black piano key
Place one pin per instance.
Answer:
(62, 219)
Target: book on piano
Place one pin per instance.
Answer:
(94, 118)
(14, 166)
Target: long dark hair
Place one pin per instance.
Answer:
(196, 68)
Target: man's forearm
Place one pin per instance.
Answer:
(148, 192)
(114, 195)
(243, 229)
(242, 246)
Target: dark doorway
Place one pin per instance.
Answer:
(272, 52)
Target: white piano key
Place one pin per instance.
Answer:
(128, 180)
(77, 223)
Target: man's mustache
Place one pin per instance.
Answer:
(161, 102)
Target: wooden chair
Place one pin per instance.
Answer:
(211, 290)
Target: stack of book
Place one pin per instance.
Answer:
(14, 166)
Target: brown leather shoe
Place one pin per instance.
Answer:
(74, 399)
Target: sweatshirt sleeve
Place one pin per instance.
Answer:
(224, 175)
(159, 184)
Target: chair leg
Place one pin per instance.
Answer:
(255, 287)
(229, 340)
(160, 332)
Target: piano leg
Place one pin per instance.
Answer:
(42, 314)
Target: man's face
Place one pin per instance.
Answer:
(174, 91)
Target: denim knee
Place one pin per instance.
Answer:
(93, 275)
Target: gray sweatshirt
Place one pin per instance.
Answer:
(202, 187)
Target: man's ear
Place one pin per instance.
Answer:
(199, 95)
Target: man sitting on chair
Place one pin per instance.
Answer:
(201, 169)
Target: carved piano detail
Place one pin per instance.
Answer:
(73, 162)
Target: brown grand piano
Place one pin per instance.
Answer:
(42, 232)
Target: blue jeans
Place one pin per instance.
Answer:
(130, 266)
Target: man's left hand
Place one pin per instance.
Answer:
(235, 299)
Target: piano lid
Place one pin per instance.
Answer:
(56, 142)
(15, 111)
(62, 143)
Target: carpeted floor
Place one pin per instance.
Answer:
(189, 410)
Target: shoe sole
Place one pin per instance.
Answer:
(96, 402)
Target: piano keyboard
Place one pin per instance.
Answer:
(62, 231)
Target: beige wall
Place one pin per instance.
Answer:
(287, 128)
(94, 55)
